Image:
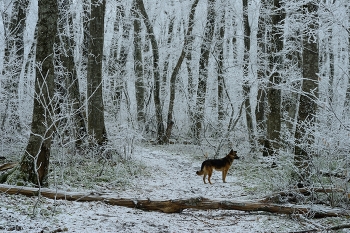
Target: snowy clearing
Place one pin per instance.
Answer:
(171, 175)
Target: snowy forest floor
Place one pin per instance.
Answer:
(157, 173)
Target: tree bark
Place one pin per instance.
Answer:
(190, 86)
(293, 60)
(246, 83)
(307, 102)
(95, 106)
(34, 165)
(167, 59)
(271, 145)
(219, 50)
(138, 68)
(262, 38)
(177, 205)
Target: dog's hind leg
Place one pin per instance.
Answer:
(224, 173)
(204, 176)
(209, 175)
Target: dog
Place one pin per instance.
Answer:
(218, 164)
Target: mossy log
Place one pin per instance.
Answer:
(177, 205)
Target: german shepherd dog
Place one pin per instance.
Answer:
(218, 164)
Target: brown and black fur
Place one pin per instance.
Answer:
(218, 164)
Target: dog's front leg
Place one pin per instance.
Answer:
(224, 173)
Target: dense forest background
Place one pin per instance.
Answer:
(270, 76)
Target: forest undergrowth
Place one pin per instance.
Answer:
(144, 170)
(122, 163)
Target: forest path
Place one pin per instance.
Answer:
(173, 176)
(169, 174)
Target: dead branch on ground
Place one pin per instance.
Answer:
(178, 205)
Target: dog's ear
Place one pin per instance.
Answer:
(234, 153)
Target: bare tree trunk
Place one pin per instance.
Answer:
(156, 75)
(246, 81)
(175, 72)
(86, 16)
(203, 68)
(219, 49)
(138, 68)
(271, 145)
(14, 54)
(66, 55)
(95, 109)
(115, 81)
(34, 165)
(190, 85)
(307, 102)
(167, 58)
(117, 63)
(291, 101)
(123, 54)
(262, 36)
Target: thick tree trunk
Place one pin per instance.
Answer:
(274, 92)
(307, 103)
(34, 165)
(95, 107)
(178, 205)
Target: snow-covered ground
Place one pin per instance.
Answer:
(171, 175)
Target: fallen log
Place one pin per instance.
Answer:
(177, 205)
(7, 166)
(5, 170)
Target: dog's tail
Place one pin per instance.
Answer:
(201, 172)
